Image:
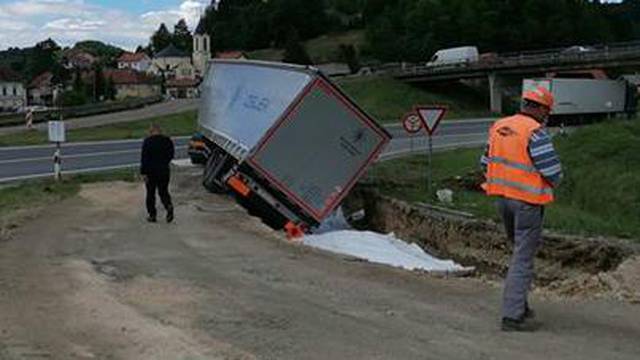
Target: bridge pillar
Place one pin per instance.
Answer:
(495, 93)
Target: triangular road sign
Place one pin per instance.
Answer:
(431, 116)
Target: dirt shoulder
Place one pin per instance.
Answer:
(88, 279)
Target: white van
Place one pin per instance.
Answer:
(455, 56)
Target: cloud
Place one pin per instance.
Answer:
(189, 10)
(75, 25)
(24, 23)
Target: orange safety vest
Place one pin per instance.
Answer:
(510, 171)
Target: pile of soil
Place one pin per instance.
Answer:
(567, 266)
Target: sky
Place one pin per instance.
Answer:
(125, 23)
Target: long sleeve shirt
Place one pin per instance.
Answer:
(543, 156)
(157, 153)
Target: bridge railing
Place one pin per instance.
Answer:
(618, 51)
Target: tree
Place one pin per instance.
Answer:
(43, 57)
(110, 89)
(349, 55)
(161, 39)
(294, 52)
(78, 84)
(182, 38)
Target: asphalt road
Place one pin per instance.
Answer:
(20, 163)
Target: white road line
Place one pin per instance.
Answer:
(69, 172)
(77, 156)
(408, 152)
(83, 143)
(449, 122)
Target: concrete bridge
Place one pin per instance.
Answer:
(525, 64)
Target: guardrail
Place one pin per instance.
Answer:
(602, 53)
(80, 111)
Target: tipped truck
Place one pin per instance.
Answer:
(285, 140)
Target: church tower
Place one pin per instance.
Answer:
(201, 49)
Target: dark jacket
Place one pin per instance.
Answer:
(157, 153)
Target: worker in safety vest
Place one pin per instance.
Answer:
(521, 170)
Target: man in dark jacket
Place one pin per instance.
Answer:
(157, 153)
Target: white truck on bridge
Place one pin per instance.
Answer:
(454, 56)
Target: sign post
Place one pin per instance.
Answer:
(57, 135)
(412, 124)
(431, 117)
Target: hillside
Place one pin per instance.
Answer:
(388, 99)
(322, 49)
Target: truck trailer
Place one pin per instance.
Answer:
(284, 140)
(579, 100)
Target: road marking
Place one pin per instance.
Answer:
(407, 152)
(82, 143)
(77, 156)
(71, 172)
(450, 122)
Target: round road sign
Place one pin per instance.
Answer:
(412, 123)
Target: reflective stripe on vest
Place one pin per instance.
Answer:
(510, 170)
(544, 191)
(513, 164)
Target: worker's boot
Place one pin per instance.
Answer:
(529, 313)
(522, 325)
(170, 214)
(151, 219)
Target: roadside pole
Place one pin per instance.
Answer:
(58, 136)
(412, 125)
(429, 164)
(430, 117)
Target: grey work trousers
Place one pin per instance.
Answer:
(523, 224)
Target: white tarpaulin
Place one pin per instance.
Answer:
(382, 249)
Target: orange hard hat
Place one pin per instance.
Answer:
(539, 95)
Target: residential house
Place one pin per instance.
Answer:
(12, 92)
(172, 63)
(134, 61)
(78, 59)
(40, 90)
(130, 83)
(182, 88)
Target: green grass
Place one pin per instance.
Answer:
(600, 194)
(323, 49)
(36, 193)
(174, 125)
(388, 99)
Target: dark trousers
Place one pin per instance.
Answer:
(523, 224)
(161, 184)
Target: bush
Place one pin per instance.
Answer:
(73, 98)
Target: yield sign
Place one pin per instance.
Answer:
(431, 116)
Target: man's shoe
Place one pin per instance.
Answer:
(521, 325)
(170, 215)
(529, 313)
(152, 219)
